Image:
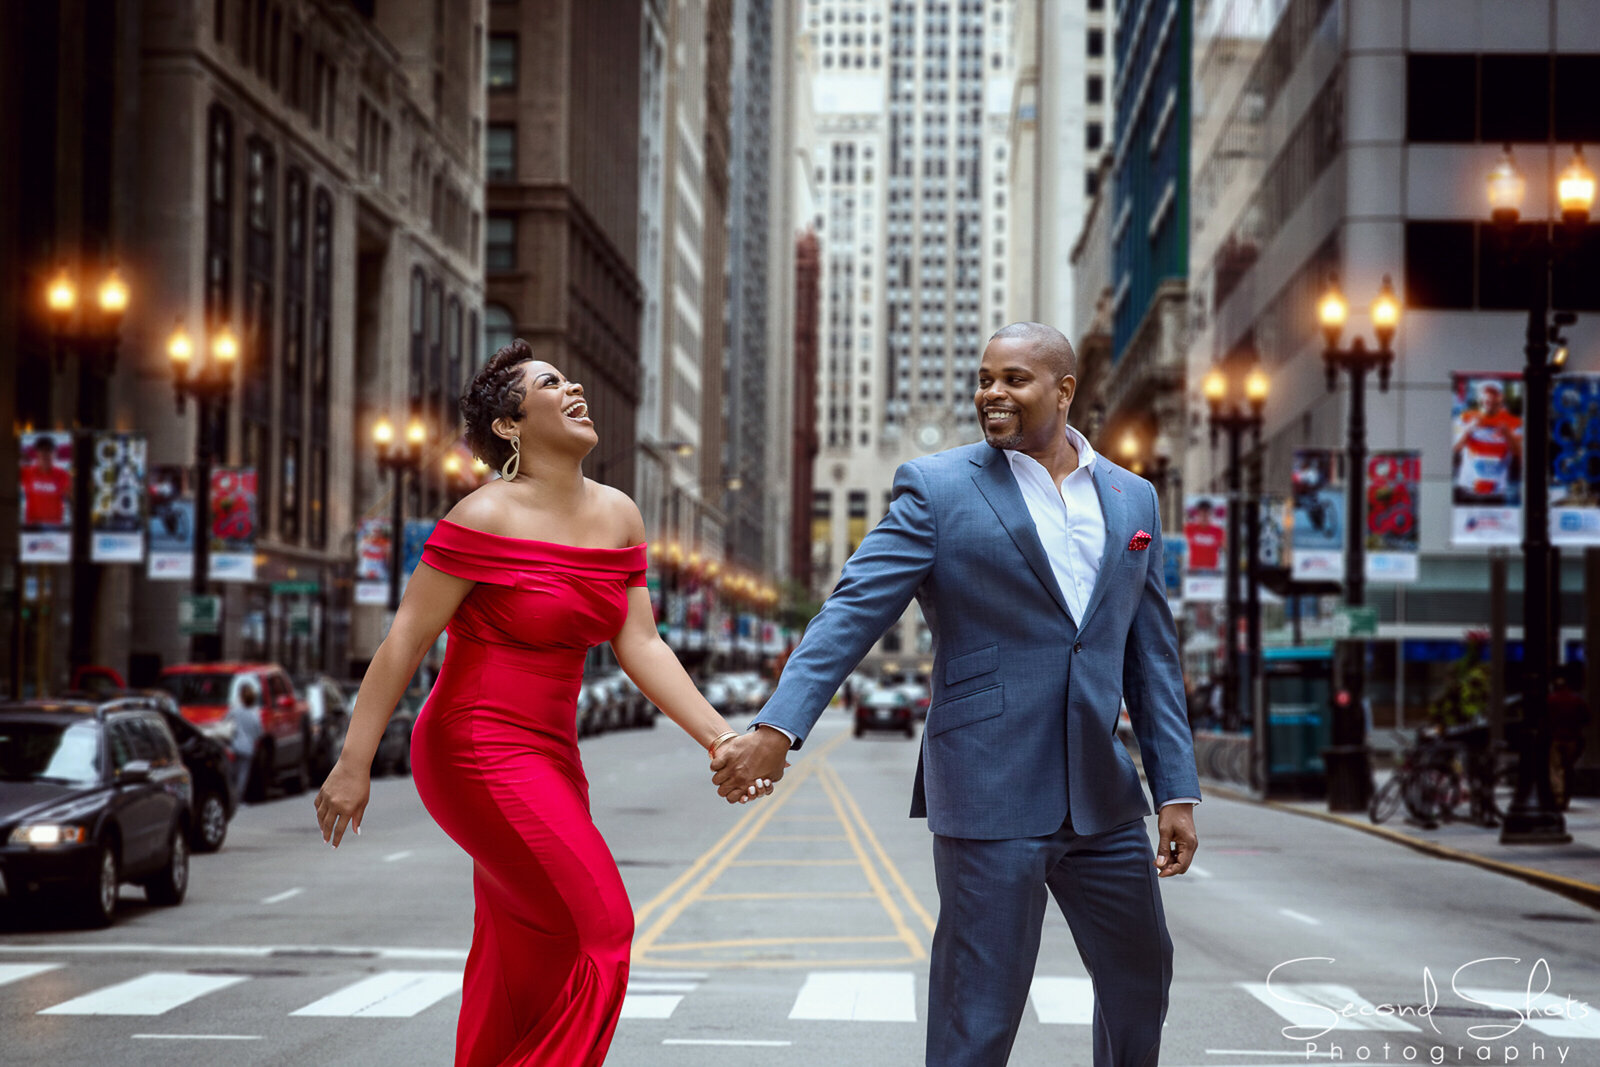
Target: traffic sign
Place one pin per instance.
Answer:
(199, 615)
(295, 588)
(1351, 621)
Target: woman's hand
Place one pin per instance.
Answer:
(342, 801)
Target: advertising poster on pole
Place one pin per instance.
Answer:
(1486, 459)
(372, 561)
(1316, 523)
(44, 479)
(1272, 551)
(417, 533)
(1575, 459)
(1393, 545)
(1174, 552)
(116, 498)
(171, 524)
(233, 524)
(1205, 533)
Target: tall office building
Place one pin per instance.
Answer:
(1060, 127)
(912, 104)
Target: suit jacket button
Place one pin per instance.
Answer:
(1077, 646)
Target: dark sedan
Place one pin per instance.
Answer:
(91, 796)
(885, 709)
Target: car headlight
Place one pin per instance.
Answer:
(48, 835)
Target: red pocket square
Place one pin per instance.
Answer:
(1139, 542)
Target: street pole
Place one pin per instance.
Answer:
(200, 644)
(1349, 768)
(1252, 619)
(1233, 695)
(396, 526)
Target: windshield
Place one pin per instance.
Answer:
(50, 752)
(209, 688)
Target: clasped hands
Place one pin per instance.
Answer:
(744, 767)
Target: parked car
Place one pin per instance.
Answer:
(92, 795)
(885, 709)
(920, 696)
(394, 747)
(719, 694)
(750, 690)
(204, 692)
(330, 720)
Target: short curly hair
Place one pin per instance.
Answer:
(496, 392)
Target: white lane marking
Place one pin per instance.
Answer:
(149, 994)
(857, 996)
(665, 976)
(1068, 1001)
(253, 951)
(1299, 917)
(1198, 872)
(16, 972)
(279, 898)
(402, 854)
(662, 987)
(1551, 1015)
(390, 995)
(725, 1041)
(649, 1006)
(196, 1037)
(1309, 1004)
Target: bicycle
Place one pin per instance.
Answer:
(1448, 775)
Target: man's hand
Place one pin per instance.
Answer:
(1176, 842)
(746, 758)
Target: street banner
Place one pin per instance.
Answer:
(1486, 459)
(116, 498)
(1205, 533)
(1393, 545)
(44, 479)
(1316, 523)
(1174, 551)
(1575, 459)
(171, 525)
(233, 524)
(1273, 551)
(372, 561)
(417, 532)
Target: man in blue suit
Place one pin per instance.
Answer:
(1038, 567)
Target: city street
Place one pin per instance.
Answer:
(797, 930)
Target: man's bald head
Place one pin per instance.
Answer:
(1047, 343)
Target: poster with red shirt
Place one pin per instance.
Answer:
(1205, 534)
(233, 524)
(44, 478)
(1393, 546)
(1486, 459)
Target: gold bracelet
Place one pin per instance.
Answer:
(727, 735)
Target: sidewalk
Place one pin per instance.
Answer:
(1573, 869)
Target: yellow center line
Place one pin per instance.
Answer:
(825, 776)
(804, 837)
(888, 865)
(752, 942)
(804, 818)
(707, 898)
(793, 863)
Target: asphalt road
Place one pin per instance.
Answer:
(796, 931)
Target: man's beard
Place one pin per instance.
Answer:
(1011, 441)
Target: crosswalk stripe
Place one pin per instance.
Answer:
(857, 996)
(1550, 1015)
(649, 1005)
(1063, 1000)
(16, 972)
(663, 987)
(1318, 1006)
(389, 995)
(155, 993)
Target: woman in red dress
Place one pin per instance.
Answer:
(526, 574)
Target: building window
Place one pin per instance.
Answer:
(502, 155)
(499, 328)
(321, 342)
(1093, 135)
(219, 216)
(1441, 97)
(1091, 182)
(419, 320)
(1097, 43)
(1095, 90)
(502, 61)
(500, 246)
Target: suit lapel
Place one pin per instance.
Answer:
(999, 487)
(1112, 489)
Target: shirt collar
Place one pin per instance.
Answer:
(1086, 453)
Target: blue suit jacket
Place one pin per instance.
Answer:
(1022, 725)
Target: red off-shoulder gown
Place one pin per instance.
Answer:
(495, 757)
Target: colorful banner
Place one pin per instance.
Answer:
(1273, 549)
(1575, 459)
(1393, 545)
(372, 561)
(1205, 533)
(417, 533)
(44, 479)
(116, 498)
(1486, 459)
(1316, 523)
(1174, 552)
(171, 525)
(233, 524)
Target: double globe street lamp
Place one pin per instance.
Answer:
(1540, 249)
(399, 458)
(1347, 759)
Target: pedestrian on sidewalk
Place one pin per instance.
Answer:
(244, 715)
(1569, 715)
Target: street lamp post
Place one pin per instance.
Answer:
(1236, 406)
(1347, 758)
(210, 384)
(1533, 817)
(399, 459)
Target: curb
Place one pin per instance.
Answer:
(1585, 893)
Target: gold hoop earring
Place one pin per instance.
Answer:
(509, 469)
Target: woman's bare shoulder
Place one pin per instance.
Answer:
(618, 507)
(485, 508)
